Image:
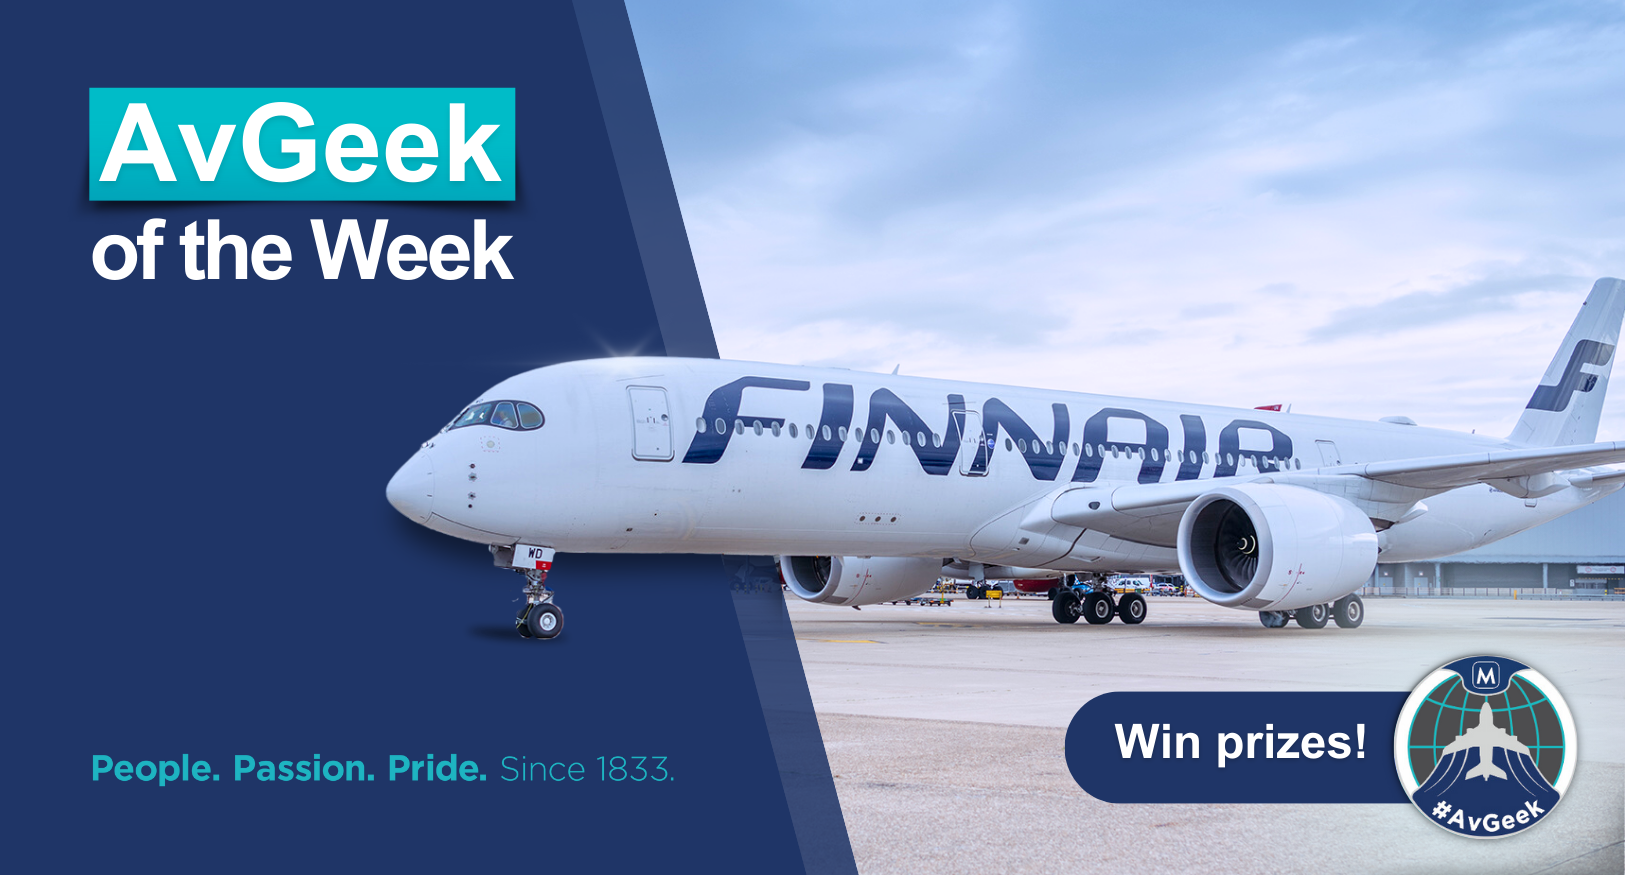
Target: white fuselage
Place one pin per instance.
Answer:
(578, 483)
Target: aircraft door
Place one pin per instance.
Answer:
(1329, 455)
(970, 442)
(651, 424)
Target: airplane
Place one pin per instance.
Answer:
(1486, 736)
(869, 487)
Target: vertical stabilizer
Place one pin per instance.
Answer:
(1567, 404)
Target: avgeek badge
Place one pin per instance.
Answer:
(1485, 747)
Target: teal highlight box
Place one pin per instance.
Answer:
(381, 112)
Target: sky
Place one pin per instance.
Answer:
(1381, 209)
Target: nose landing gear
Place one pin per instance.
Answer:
(539, 618)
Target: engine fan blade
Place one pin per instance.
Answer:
(1235, 550)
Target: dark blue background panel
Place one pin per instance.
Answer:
(200, 557)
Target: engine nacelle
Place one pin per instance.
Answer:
(858, 580)
(1269, 547)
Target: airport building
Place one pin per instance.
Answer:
(1583, 551)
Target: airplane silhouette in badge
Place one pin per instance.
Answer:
(1486, 736)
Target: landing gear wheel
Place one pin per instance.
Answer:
(519, 622)
(1098, 608)
(1273, 619)
(1065, 607)
(1312, 617)
(1349, 611)
(1131, 608)
(545, 621)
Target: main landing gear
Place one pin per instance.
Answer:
(1348, 612)
(1093, 602)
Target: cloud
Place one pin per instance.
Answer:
(1467, 300)
(1364, 211)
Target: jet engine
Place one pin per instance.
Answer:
(858, 580)
(1258, 546)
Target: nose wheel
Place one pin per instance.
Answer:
(540, 621)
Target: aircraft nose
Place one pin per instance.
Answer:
(411, 490)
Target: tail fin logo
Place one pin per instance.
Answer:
(1556, 398)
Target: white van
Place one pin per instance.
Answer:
(1121, 583)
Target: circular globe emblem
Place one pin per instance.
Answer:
(1485, 747)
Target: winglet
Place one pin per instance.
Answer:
(1567, 404)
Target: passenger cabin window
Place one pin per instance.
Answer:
(513, 415)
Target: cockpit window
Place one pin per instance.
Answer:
(478, 414)
(515, 415)
(529, 416)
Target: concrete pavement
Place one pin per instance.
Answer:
(945, 728)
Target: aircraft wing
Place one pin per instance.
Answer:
(1508, 470)
(1481, 736)
(1591, 479)
(1449, 472)
(1462, 742)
